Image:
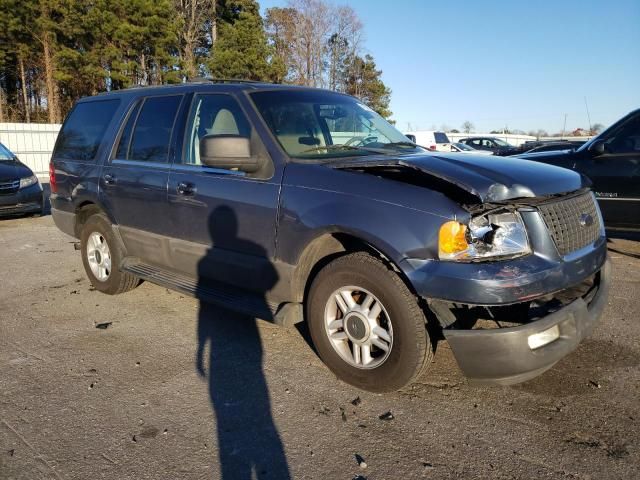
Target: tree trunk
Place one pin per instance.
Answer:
(52, 87)
(23, 84)
(1, 105)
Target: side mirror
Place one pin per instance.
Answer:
(228, 152)
(597, 148)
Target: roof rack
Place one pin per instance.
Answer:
(221, 80)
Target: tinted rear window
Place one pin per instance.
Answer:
(441, 137)
(152, 133)
(84, 129)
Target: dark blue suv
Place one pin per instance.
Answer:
(297, 204)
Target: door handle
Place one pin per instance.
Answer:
(109, 179)
(185, 188)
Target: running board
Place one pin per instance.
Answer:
(228, 297)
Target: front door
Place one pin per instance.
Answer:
(133, 185)
(616, 175)
(223, 220)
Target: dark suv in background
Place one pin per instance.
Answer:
(612, 162)
(294, 204)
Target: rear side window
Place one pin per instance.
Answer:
(84, 130)
(441, 137)
(147, 133)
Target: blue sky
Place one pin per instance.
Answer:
(523, 65)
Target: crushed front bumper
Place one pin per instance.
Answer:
(503, 355)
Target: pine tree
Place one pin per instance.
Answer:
(241, 49)
(363, 81)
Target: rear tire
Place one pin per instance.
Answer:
(101, 256)
(380, 343)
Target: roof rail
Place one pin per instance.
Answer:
(221, 80)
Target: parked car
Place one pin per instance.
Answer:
(612, 162)
(20, 190)
(431, 139)
(462, 148)
(490, 144)
(295, 204)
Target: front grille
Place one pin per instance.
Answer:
(573, 222)
(7, 188)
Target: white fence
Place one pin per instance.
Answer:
(31, 142)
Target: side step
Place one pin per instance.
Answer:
(228, 297)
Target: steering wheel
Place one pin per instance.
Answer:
(361, 140)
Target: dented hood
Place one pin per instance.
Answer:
(490, 178)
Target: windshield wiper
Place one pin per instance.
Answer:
(402, 144)
(330, 148)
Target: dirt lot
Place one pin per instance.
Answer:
(136, 387)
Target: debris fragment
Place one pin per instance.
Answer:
(11, 452)
(324, 411)
(91, 385)
(595, 384)
(76, 245)
(387, 416)
(359, 477)
(74, 292)
(361, 461)
(103, 325)
(428, 465)
(343, 415)
(356, 401)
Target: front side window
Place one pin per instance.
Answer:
(213, 115)
(147, 134)
(318, 125)
(625, 139)
(84, 130)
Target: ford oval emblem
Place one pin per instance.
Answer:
(586, 220)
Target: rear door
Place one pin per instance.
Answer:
(133, 184)
(616, 175)
(223, 221)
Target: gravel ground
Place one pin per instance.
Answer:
(142, 386)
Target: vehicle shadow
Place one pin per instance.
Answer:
(230, 356)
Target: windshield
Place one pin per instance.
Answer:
(320, 125)
(501, 143)
(5, 154)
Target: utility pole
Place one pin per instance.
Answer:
(564, 127)
(588, 115)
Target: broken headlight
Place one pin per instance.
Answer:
(492, 236)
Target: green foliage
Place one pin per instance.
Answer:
(363, 81)
(241, 49)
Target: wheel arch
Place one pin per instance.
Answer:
(328, 246)
(84, 210)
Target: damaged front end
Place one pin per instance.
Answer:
(523, 277)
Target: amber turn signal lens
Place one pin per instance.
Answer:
(452, 239)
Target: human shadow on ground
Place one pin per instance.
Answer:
(249, 443)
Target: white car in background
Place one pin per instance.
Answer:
(462, 148)
(431, 140)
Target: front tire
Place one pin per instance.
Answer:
(366, 325)
(101, 257)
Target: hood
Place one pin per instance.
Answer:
(489, 178)
(13, 170)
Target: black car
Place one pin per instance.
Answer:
(297, 204)
(20, 190)
(491, 144)
(612, 162)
